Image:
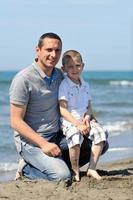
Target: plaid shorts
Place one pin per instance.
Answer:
(97, 133)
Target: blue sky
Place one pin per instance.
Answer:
(102, 30)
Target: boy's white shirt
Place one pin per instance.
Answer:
(77, 97)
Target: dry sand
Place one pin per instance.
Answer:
(117, 184)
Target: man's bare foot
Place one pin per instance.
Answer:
(93, 173)
(18, 176)
(19, 173)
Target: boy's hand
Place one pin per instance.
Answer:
(83, 129)
(86, 121)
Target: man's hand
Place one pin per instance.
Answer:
(51, 149)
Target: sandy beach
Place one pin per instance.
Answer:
(117, 184)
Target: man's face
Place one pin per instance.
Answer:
(49, 54)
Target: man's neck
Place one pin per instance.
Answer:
(46, 70)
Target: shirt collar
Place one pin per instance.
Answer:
(52, 78)
(72, 84)
(43, 75)
(38, 69)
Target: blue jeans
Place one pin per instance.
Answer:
(41, 166)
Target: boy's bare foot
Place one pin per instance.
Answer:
(76, 176)
(93, 173)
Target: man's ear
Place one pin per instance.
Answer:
(37, 49)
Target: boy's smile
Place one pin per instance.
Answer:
(73, 68)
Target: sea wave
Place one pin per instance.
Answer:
(10, 166)
(6, 76)
(116, 128)
(121, 83)
(121, 149)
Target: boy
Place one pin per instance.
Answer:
(77, 118)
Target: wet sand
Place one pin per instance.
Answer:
(117, 184)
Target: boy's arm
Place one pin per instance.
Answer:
(66, 114)
(88, 116)
(89, 113)
(69, 117)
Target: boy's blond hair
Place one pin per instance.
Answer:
(70, 54)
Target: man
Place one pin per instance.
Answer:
(35, 114)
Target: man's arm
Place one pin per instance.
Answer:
(17, 113)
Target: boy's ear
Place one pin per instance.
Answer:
(62, 68)
(83, 65)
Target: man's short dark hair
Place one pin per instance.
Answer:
(48, 35)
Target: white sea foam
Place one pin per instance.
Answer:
(121, 149)
(122, 83)
(10, 166)
(115, 128)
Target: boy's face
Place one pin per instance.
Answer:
(73, 68)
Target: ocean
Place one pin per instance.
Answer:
(112, 102)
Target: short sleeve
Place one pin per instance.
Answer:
(19, 91)
(63, 92)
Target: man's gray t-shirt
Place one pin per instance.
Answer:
(31, 89)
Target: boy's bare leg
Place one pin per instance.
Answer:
(74, 153)
(95, 153)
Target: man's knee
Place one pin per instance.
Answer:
(61, 175)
